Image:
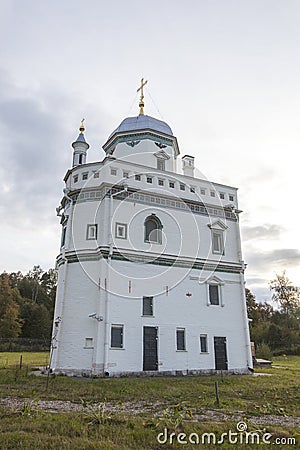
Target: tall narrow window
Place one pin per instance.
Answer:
(214, 297)
(91, 232)
(80, 159)
(147, 306)
(116, 336)
(153, 229)
(203, 343)
(180, 339)
(161, 164)
(217, 242)
(63, 236)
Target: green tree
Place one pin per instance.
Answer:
(10, 322)
(286, 295)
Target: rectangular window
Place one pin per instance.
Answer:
(217, 242)
(149, 180)
(214, 294)
(180, 339)
(231, 198)
(63, 236)
(116, 336)
(212, 193)
(125, 174)
(171, 184)
(147, 306)
(161, 164)
(113, 172)
(89, 343)
(222, 195)
(85, 175)
(121, 230)
(75, 178)
(203, 343)
(182, 187)
(91, 232)
(160, 182)
(137, 177)
(202, 191)
(192, 189)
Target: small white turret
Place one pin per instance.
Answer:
(188, 165)
(80, 147)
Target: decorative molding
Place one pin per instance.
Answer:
(132, 143)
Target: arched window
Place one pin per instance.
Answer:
(153, 229)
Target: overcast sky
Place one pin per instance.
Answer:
(224, 74)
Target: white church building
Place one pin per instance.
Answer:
(150, 269)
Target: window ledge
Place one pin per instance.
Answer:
(181, 351)
(116, 348)
(148, 315)
(88, 347)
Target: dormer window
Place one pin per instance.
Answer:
(153, 230)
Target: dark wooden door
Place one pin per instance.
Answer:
(150, 349)
(220, 353)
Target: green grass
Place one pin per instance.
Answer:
(33, 359)
(274, 395)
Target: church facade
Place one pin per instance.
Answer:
(150, 269)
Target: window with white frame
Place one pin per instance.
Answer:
(89, 342)
(113, 171)
(192, 189)
(161, 164)
(125, 174)
(116, 336)
(180, 339)
(147, 306)
(231, 198)
(202, 191)
(91, 231)
(96, 174)
(137, 177)
(149, 180)
(212, 193)
(203, 343)
(121, 230)
(222, 195)
(182, 187)
(171, 184)
(153, 229)
(217, 242)
(214, 294)
(75, 178)
(160, 182)
(85, 175)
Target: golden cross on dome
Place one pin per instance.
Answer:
(82, 128)
(141, 88)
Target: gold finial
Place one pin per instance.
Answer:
(141, 88)
(82, 128)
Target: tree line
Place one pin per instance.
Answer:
(27, 303)
(275, 330)
(27, 307)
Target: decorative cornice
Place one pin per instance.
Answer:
(160, 260)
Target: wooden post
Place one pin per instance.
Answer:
(21, 361)
(217, 393)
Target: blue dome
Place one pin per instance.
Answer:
(142, 122)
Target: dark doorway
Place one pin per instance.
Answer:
(150, 349)
(220, 353)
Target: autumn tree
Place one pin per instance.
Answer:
(285, 295)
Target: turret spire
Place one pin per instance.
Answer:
(141, 88)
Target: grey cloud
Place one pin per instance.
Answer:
(278, 260)
(266, 232)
